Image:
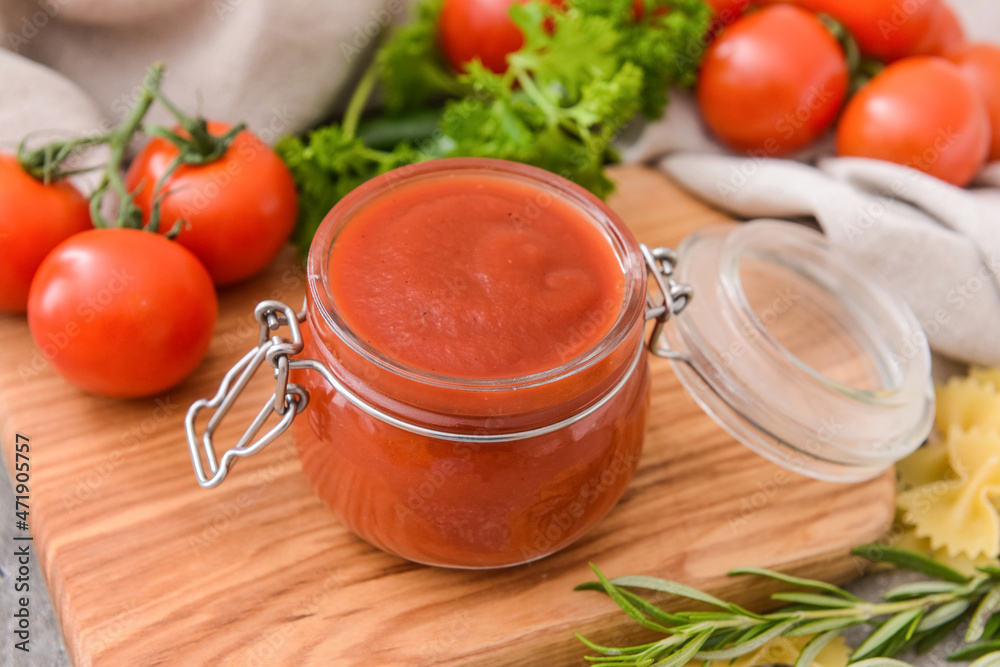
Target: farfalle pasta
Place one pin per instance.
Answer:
(785, 651)
(949, 489)
(969, 401)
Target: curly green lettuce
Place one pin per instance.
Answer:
(582, 74)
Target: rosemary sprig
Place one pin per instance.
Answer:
(915, 615)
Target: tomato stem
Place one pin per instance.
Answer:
(199, 146)
(859, 69)
(128, 214)
(45, 163)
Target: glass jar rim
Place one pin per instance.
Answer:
(620, 239)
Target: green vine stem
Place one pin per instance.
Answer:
(359, 98)
(46, 163)
(129, 215)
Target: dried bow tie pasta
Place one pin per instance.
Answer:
(786, 651)
(908, 540)
(969, 401)
(950, 488)
(926, 465)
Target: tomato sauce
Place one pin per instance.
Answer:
(480, 303)
(470, 277)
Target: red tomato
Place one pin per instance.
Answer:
(944, 36)
(470, 29)
(773, 81)
(238, 211)
(34, 219)
(886, 29)
(980, 64)
(920, 112)
(727, 11)
(122, 312)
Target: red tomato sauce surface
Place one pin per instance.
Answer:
(475, 277)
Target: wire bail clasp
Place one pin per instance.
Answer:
(288, 400)
(665, 298)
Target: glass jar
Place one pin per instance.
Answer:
(793, 348)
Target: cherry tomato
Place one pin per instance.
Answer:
(34, 218)
(980, 64)
(773, 81)
(885, 29)
(727, 11)
(122, 312)
(920, 112)
(944, 35)
(470, 29)
(238, 211)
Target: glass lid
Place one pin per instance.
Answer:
(800, 351)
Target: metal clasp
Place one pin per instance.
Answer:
(288, 400)
(669, 298)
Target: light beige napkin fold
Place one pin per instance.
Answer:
(938, 246)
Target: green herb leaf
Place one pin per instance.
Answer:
(988, 660)
(410, 64)
(992, 627)
(750, 645)
(667, 46)
(614, 651)
(943, 614)
(821, 625)
(985, 612)
(671, 587)
(919, 589)
(814, 647)
(909, 560)
(688, 651)
(795, 581)
(975, 651)
(612, 590)
(814, 600)
(330, 166)
(878, 640)
(931, 638)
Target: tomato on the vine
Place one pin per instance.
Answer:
(891, 29)
(34, 218)
(122, 312)
(237, 212)
(944, 35)
(980, 64)
(773, 81)
(727, 11)
(919, 112)
(470, 29)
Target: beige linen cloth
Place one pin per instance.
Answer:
(279, 65)
(283, 66)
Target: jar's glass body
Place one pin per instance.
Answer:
(467, 501)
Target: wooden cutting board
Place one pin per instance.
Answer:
(146, 568)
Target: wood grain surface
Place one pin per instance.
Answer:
(146, 568)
